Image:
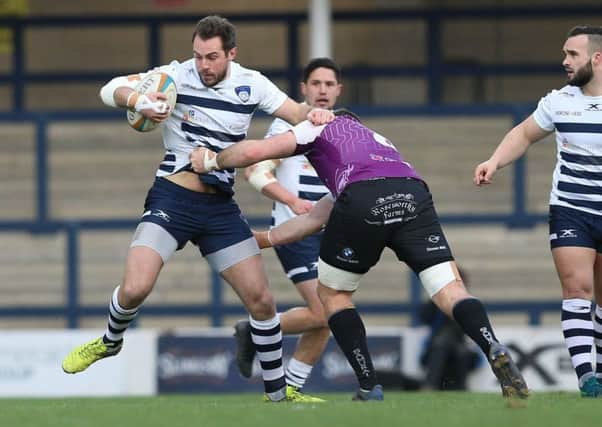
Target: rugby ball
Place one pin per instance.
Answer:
(154, 82)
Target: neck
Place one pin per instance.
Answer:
(594, 87)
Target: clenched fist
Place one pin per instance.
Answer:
(203, 160)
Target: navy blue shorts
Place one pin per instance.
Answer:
(210, 221)
(571, 227)
(300, 259)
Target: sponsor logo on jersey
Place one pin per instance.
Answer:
(567, 113)
(379, 158)
(567, 94)
(189, 116)
(594, 107)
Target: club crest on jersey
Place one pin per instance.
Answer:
(243, 92)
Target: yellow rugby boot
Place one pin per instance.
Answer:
(83, 356)
(293, 394)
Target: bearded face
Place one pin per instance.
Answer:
(582, 76)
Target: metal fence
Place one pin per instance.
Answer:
(434, 70)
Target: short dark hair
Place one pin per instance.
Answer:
(347, 113)
(321, 63)
(216, 26)
(593, 33)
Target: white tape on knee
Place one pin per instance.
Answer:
(337, 279)
(437, 277)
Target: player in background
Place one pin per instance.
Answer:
(575, 221)
(294, 186)
(376, 200)
(216, 101)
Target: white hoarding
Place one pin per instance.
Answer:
(30, 361)
(540, 354)
(30, 365)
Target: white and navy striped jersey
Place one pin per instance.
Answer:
(295, 174)
(213, 117)
(577, 181)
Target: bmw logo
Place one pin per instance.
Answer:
(348, 253)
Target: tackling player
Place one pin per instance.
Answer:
(376, 200)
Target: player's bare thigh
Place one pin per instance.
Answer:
(143, 266)
(575, 267)
(314, 316)
(308, 289)
(250, 282)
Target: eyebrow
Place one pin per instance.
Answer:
(210, 53)
(322, 80)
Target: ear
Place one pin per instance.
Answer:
(303, 88)
(339, 89)
(232, 53)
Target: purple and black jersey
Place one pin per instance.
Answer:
(345, 151)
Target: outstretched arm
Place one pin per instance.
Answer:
(298, 227)
(513, 146)
(244, 153)
(294, 113)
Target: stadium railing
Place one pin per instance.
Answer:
(216, 309)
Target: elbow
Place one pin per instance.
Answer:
(107, 93)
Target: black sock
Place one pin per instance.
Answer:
(350, 334)
(470, 314)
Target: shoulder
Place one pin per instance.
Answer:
(186, 68)
(240, 73)
(566, 93)
(187, 65)
(178, 70)
(241, 77)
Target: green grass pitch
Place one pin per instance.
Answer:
(443, 409)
